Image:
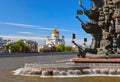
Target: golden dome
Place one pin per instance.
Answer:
(55, 31)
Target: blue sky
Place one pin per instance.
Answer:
(34, 19)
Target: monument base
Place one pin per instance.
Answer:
(96, 60)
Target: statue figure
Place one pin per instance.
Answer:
(104, 28)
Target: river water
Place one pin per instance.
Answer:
(9, 64)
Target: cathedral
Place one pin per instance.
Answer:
(54, 40)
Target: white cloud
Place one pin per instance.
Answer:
(16, 24)
(31, 26)
(22, 37)
(64, 30)
(25, 32)
(45, 28)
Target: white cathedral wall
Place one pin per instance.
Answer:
(61, 42)
(55, 36)
(55, 40)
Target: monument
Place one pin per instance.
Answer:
(104, 26)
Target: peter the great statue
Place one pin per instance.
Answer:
(104, 26)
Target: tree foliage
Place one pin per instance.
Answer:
(20, 44)
(68, 48)
(42, 50)
(18, 47)
(60, 48)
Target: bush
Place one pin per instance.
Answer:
(68, 48)
(42, 50)
(60, 48)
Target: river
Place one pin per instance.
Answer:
(9, 64)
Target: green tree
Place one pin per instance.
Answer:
(8, 46)
(68, 48)
(16, 47)
(73, 49)
(21, 45)
(42, 50)
(60, 48)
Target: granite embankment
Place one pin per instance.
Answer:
(34, 54)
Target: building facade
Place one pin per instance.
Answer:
(24, 46)
(54, 40)
(33, 45)
(2, 45)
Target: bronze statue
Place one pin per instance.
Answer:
(104, 28)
